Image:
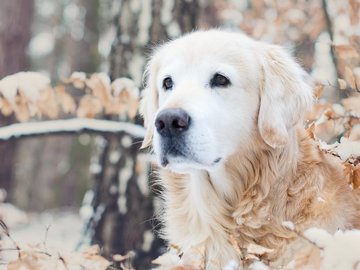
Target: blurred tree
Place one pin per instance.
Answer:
(123, 207)
(62, 161)
(15, 31)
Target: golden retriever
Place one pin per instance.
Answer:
(224, 115)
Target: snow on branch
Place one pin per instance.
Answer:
(76, 125)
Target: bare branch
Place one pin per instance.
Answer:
(69, 126)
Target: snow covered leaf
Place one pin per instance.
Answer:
(348, 148)
(352, 104)
(339, 251)
(31, 83)
(126, 97)
(9, 87)
(327, 147)
(99, 83)
(258, 250)
(319, 237)
(122, 84)
(77, 79)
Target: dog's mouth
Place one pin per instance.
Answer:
(176, 154)
(174, 150)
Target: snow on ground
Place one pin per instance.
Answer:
(60, 230)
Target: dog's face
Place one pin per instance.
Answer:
(211, 93)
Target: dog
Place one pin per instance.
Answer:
(224, 115)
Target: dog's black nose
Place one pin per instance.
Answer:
(171, 122)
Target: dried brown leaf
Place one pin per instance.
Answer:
(47, 103)
(21, 107)
(329, 113)
(318, 90)
(5, 107)
(126, 98)
(356, 176)
(89, 107)
(65, 100)
(311, 131)
(99, 83)
(352, 174)
(346, 51)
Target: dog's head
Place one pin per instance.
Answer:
(210, 93)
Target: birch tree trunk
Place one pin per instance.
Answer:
(123, 201)
(15, 32)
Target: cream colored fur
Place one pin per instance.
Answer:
(270, 170)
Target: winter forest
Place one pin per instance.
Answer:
(76, 190)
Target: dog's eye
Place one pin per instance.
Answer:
(219, 81)
(167, 83)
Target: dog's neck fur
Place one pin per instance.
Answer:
(261, 189)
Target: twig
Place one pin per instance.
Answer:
(46, 235)
(7, 233)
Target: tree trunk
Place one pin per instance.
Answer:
(15, 32)
(123, 201)
(61, 162)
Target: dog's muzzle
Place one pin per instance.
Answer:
(171, 125)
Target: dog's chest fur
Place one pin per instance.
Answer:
(260, 193)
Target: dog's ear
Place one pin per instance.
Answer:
(149, 102)
(285, 95)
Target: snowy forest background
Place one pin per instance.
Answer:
(68, 183)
